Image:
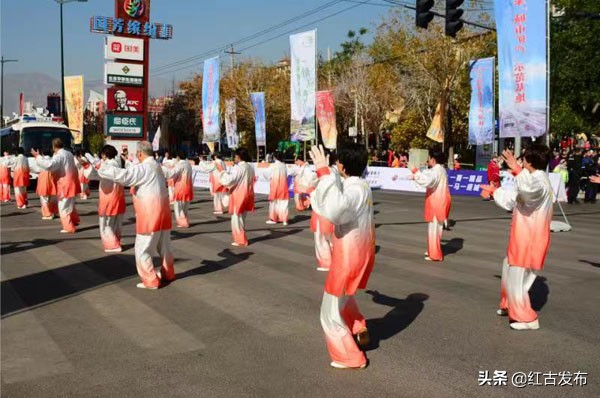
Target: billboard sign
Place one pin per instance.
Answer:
(124, 126)
(123, 73)
(125, 99)
(116, 47)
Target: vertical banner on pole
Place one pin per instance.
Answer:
(303, 85)
(522, 66)
(74, 105)
(258, 103)
(481, 110)
(231, 124)
(210, 101)
(326, 117)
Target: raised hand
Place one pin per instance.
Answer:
(510, 160)
(35, 153)
(317, 154)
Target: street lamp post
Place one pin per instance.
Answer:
(2, 62)
(62, 57)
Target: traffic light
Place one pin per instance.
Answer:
(453, 15)
(423, 13)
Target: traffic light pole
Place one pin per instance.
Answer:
(437, 14)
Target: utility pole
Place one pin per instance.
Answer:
(231, 54)
(329, 67)
(2, 62)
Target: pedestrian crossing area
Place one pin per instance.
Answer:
(244, 321)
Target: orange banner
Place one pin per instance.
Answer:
(74, 105)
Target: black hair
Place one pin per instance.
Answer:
(538, 156)
(19, 151)
(215, 155)
(278, 155)
(354, 157)
(439, 156)
(109, 150)
(333, 158)
(47, 152)
(243, 154)
(181, 155)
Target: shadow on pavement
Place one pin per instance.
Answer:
(209, 266)
(538, 294)
(299, 218)
(593, 264)
(452, 246)
(275, 234)
(403, 313)
(45, 287)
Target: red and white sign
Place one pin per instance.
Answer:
(125, 99)
(116, 47)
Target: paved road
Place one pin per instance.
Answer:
(245, 321)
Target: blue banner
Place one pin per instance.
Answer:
(481, 111)
(210, 101)
(522, 67)
(466, 182)
(258, 103)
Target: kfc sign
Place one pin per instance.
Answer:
(124, 48)
(125, 99)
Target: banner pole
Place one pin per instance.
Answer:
(548, 75)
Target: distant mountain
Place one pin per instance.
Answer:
(36, 86)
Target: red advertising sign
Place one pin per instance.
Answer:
(125, 99)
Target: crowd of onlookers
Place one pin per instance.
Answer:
(576, 159)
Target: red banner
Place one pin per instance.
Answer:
(125, 99)
(326, 118)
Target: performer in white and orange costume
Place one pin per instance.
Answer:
(111, 200)
(437, 202)
(20, 169)
(152, 212)
(304, 178)
(322, 228)
(5, 178)
(240, 181)
(181, 175)
(62, 165)
(349, 206)
(279, 193)
(84, 182)
(531, 204)
(46, 189)
(170, 163)
(217, 190)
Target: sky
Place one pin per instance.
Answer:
(30, 31)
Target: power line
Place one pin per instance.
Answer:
(277, 36)
(247, 38)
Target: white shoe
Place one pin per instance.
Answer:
(158, 275)
(502, 312)
(217, 212)
(322, 269)
(22, 207)
(142, 286)
(426, 254)
(340, 366)
(117, 250)
(48, 218)
(64, 231)
(235, 244)
(525, 325)
(285, 223)
(271, 222)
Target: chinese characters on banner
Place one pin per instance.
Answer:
(522, 67)
(231, 124)
(210, 101)
(481, 111)
(303, 85)
(326, 117)
(74, 105)
(258, 103)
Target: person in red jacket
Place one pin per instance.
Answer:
(493, 173)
